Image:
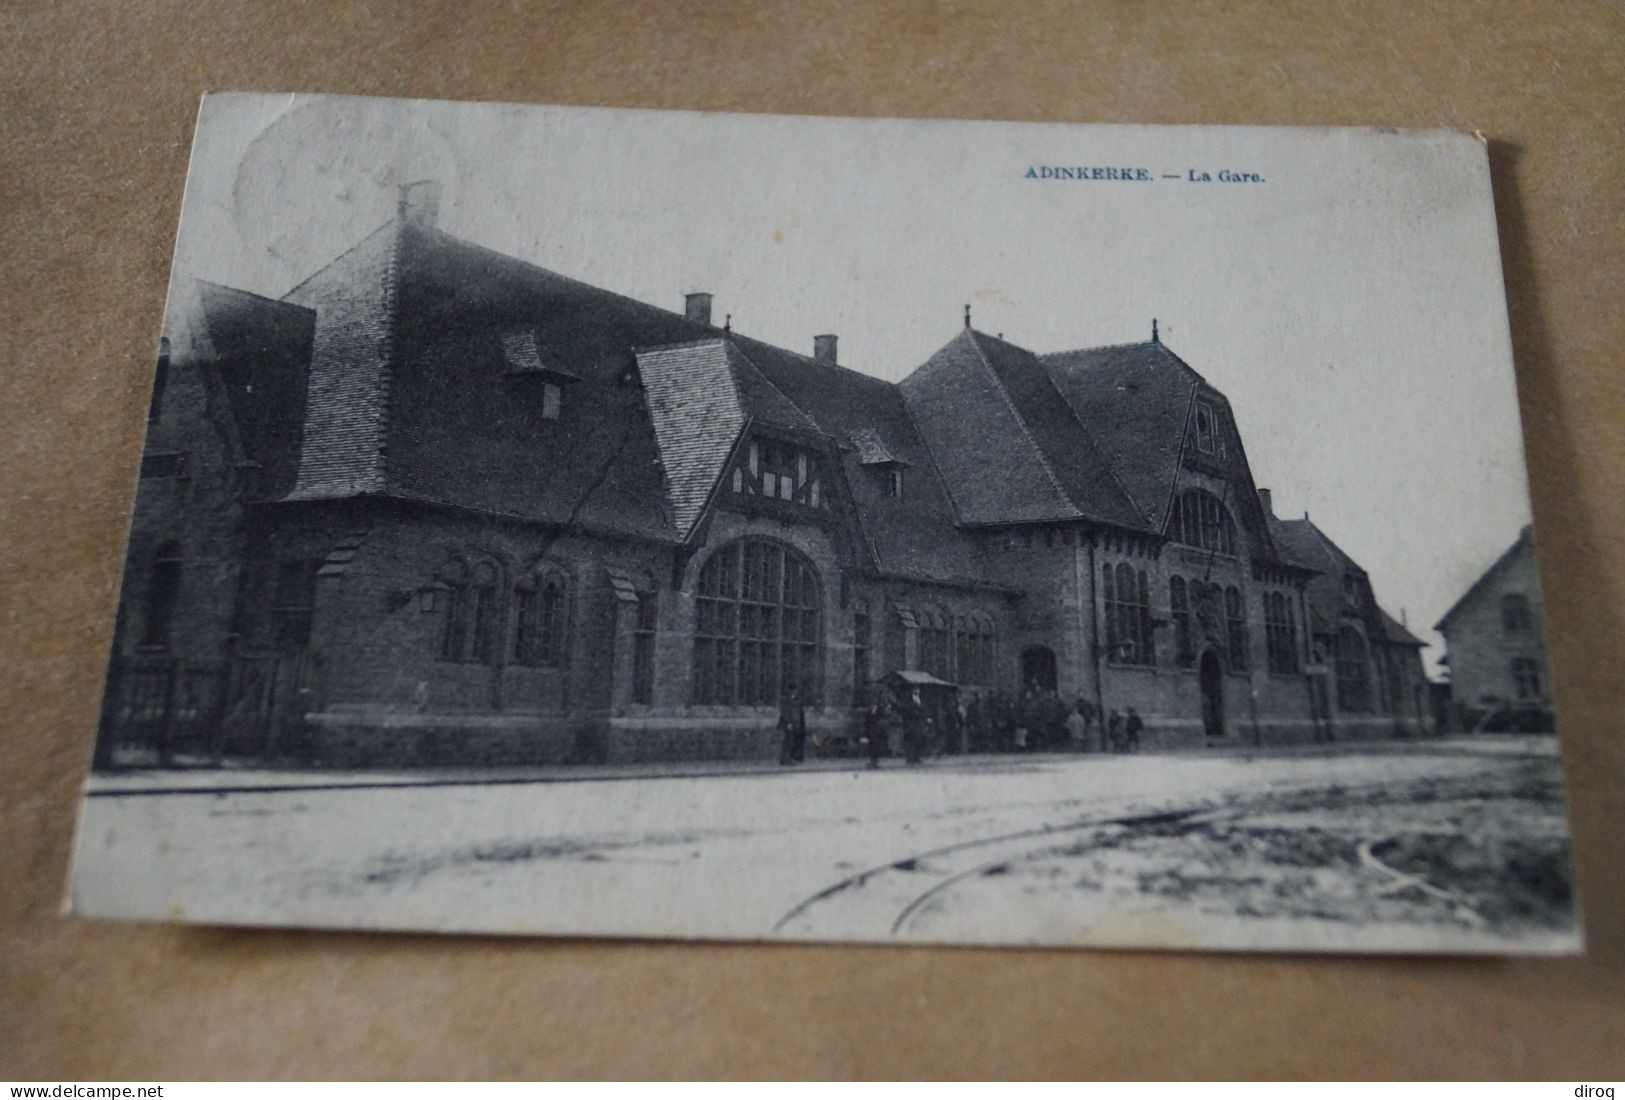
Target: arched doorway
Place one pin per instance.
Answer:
(1038, 667)
(1212, 677)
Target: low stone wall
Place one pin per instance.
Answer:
(392, 740)
(409, 740)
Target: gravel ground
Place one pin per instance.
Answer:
(1442, 846)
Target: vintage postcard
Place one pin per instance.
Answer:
(633, 523)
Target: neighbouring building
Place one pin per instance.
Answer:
(1495, 647)
(439, 504)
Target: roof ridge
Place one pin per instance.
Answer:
(320, 271)
(865, 375)
(677, 345)
(1026, 431)
(1526, 534)
(1093, 347)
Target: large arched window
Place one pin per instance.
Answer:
(1201, 519)
(756, 626)
(469, 632)
(541, 629)
(1516, 617)
(1353, 672)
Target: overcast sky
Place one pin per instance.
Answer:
(1350, 305)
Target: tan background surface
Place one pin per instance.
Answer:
(95, 120)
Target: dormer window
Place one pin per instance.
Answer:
(528, 360)
(875, 456)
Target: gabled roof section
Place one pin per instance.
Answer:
(1135, 400)
(1524, 542)
(1009, 450)
(1064, 444)
(697, 417)
(700, 396)
(1305, 545)
(354, 301)
(914, 535)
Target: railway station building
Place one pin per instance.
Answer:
(440, 505)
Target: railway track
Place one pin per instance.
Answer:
(889, 899)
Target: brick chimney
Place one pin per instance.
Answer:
(697, 307)
(419, 204)
(824, 348)
(1265, 500)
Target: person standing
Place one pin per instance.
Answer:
(792, 727)
(891, 725)
(1111, 735)
(913, 728)
(1077, 731)
(874, 729)
(1086, 710)
(1131, 731)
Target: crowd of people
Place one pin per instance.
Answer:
(899, 722)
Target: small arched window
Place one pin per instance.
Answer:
(862, 643)
(935, 657)
(643, 641)
(469, 632)
(1200, 519)
(163, 592)
(1280, 633)
(1353, 672)
(1526, 677)
(1235, 630)
(1516, 616)
(1126, 599)
(541, 628)
(1179, 606)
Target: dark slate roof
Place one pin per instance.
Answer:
(1524, 542)
(1135, 400)
(1009, 450)
(697, 416)
(260, 350)
(1395, 632)
(524, 357)
(412, 397)
(1066, 447)
(1301, 543)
